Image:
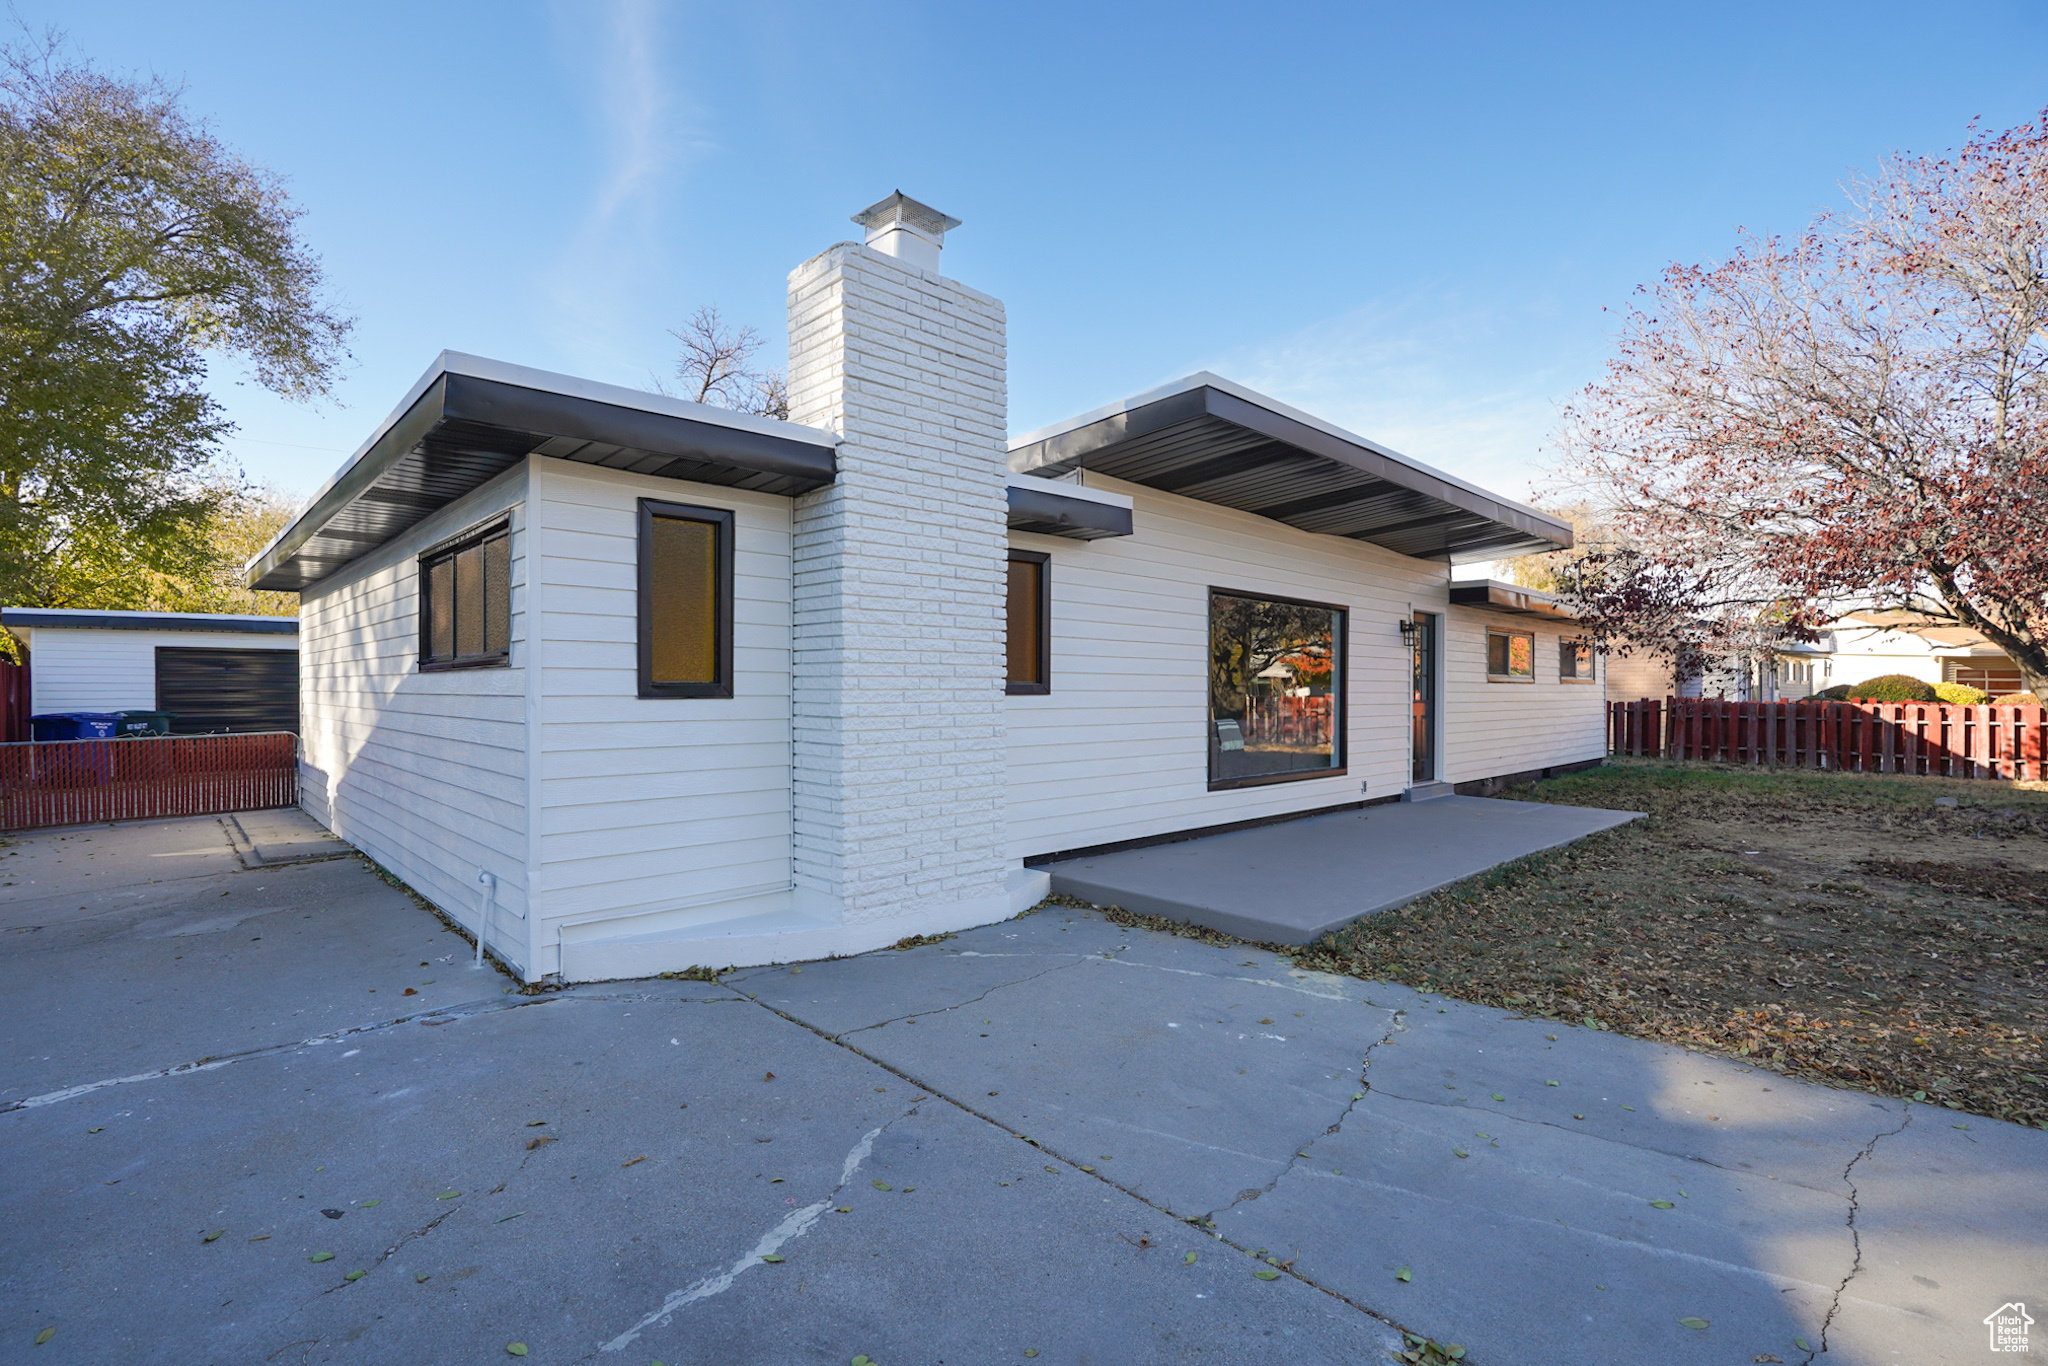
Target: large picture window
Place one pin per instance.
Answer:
(1029, 642)
(466, 600)
(685, 600)
(1276, 689)
(1510, 657)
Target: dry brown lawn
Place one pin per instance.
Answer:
(1840, 928)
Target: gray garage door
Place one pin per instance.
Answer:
(211, 690)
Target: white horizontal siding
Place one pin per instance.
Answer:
(1641, 674)
(648, 805)
(1119, 749)
(424, 772)
(1493, 729)
(89, 670)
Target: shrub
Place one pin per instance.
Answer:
(2016, 699)
(1838, 693)
(1961, 694)
(1892, 688)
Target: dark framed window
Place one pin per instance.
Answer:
(1029, 639)
(1276, 689)
(1575, 661)
(685, 600)
(466, 600)
(1510, 656)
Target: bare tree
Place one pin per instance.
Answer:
(1855, 417)
(715, 367)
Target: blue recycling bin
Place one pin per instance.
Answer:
(74, 725)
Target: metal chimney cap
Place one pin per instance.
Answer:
(901, 208)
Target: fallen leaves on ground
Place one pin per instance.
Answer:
(1832, 927)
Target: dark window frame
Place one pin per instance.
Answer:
(1510, 632)
(1575, 644)
(720, 686)
(424, 662)
(1340, 691)
(1042, 688)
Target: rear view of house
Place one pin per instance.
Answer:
(637, 684)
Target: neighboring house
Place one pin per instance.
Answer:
(1854, 649)
(683, 686)
(211, 671)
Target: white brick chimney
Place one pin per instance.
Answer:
(899, 567)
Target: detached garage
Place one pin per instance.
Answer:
(212, 672)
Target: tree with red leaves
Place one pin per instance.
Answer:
(1855, 418)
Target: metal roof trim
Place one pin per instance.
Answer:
(1492, 595)
(428, 402)
(85, 619)
(1206, 395)
(1048, 507)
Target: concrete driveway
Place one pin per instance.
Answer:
(1050, 1136)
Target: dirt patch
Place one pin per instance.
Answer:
(1833, 927)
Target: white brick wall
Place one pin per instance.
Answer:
(898, 724)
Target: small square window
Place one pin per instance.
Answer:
(466, 600)
(1510, 656)
(1029, 617)
(1575, 661)
(685, 600)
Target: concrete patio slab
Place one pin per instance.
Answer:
(281, 835)
(1295, 881)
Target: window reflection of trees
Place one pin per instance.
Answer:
(1272, 687)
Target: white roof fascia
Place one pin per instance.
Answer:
(549, 381)
(1209, 379)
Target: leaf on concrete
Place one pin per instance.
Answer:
(1550, 1083)
(1188, 1260)
(46, 1335)
(535, 1123)
(367, 1203)
(632, 1160)
(1662, 1204)
(771, 1257)
(355, 1275)
(1459, 1152)
(1498, 1096)
(1054, 1170)
(1404, 1274)
(420, 1278)
(1692, 1323)
(213, 1235)
(842, 1209)
(321, 1257)
(540, 1141)
(1802, 1344)
(102, 1129)
(515, 1349)
(882, 1185)
(449, 1195)
(513, 1215)
(1267, 1275)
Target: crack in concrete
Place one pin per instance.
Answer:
(1855, 1236)
(1394, 1026)
(208, 1064)
(1503, 1116)
(941, 1010)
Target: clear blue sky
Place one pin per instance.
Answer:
(1405, 218)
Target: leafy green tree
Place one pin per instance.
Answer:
(133, 246)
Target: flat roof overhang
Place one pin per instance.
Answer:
(79, 619)
(1053, 509)
(470, 419)
(1207, 438)
(1495, 596)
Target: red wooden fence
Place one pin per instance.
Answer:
(1930, 738)
(77, 782)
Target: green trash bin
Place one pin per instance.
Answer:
(133, 723)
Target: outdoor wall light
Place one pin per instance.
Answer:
(1408, 631)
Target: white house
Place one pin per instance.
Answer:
(1853, 649)
(213, 671)
(686, 686)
